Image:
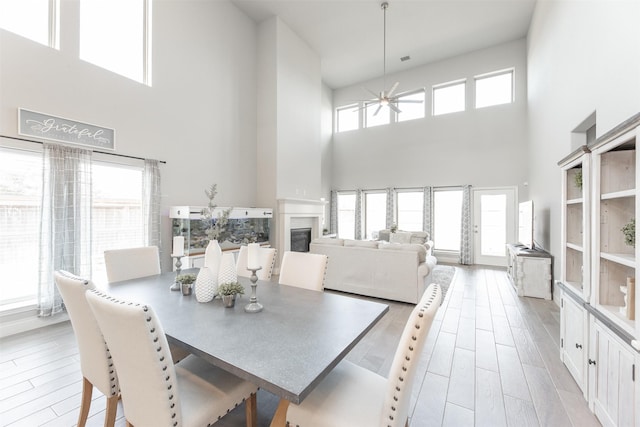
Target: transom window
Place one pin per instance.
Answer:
(449, 97)
(413, 106)
(377, 115)
(347, 118)
(114, 34)
(36, 20)
(494, 88)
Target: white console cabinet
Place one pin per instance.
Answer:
(529, 271)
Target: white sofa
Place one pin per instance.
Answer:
(394, 271)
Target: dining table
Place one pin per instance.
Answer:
(287, 348)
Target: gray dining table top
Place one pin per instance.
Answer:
(287, 348)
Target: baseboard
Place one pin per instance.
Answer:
(9, 326)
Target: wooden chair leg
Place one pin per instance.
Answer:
(87, 391)
(280, 417)
(129, 424)
(110, 413)
(251, 410)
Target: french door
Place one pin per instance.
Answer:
(494, 224)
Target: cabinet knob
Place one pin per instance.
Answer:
(592, 362)
(578, 345)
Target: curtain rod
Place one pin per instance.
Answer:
(95, 151)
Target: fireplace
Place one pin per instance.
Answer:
(296, 214)
(300, 239)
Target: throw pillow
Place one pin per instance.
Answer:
(400, 237)
(384, 235)
(362, 243)
(419, 237)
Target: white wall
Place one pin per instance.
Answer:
(199, 115)
(485, 147)
(582, 57)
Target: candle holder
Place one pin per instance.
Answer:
(176, 286)
(254, 306)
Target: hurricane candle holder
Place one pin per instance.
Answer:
(254, 306)
(176, 286)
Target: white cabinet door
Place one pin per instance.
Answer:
(613, 394)
(573, 331)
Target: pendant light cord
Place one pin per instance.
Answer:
(384, 5)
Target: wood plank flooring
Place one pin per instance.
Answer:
(491, 359)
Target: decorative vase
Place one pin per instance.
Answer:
(227, 272)
(212, 256)
(205, 285)
(229, 300)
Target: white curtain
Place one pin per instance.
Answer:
(391, 198)
(333, 213)
(466, 236)
(151, 202)
(65, 233)
(427, 219)
(358, 219)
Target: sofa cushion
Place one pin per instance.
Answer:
(328, 241)
(420, 249)
(419, 237)
(400, 237)
(383, 235)
(361, 243)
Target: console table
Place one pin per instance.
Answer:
(529, 271)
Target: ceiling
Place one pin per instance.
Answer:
(348, 34)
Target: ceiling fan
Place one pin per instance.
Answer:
(385, 98)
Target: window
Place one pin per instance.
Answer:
(346, 215)
(375, 213)
(36, 20)
(410, 208)
(449, 98)
(348, 118)
(411, 106)
(494, 89)
(116, 215)
(383, 116)
(114, 36)
(447, 219)
(20, 200)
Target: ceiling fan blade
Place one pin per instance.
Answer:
(377, 95)
(394, 108)
(393, 88)
(414, 101)
(378, 110)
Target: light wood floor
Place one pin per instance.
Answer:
(491, 359)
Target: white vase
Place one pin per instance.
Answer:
(212, 256)
(227, 272)
(205, 285)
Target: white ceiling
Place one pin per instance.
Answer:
(348, 34)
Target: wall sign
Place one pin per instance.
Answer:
(31, 123)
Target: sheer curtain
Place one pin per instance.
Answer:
(427, 219)
(358, 220)
(333, 213)
(151, 202)
(466, 236)
(65, 231)
(391, 193)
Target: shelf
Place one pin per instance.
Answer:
(613, 312)
(575, 247)
(619, 194)
(575, 201)
(625, 259)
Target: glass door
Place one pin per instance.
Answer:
(494, 225)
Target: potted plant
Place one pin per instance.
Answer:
(186, 280)
(629, 232)
(577, 179)
(228, 292)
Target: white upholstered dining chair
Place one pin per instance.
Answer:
(131, 263)
(95, 361)
(266, 260)
(352, 396)
(155, 392)
(303, 269)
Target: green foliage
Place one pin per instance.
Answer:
(187, 278)
(629, 232)
(217, 226)
(394, 228)
(231, 289)
(577, 179)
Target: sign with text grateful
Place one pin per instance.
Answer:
(45, 126)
